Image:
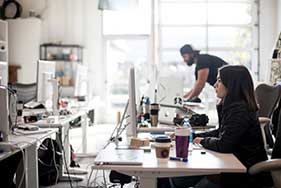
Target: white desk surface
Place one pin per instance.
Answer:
(25, 140)
(209, 163)
(171, 128)
(198, 164)
(28, 166)
(58, 121)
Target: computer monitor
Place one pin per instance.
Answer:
(168, 88)
(132, 110)
(3, 73)
(4, 112)
(45, 72)
(81, 81)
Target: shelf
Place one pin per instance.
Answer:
(63, 60)
(3, 42)
(61, 45)
(67, 86)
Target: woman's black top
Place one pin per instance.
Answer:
(239, 133)
(213, 63)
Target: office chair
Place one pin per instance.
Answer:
(272, 165)
(267, 98)
(25, 92)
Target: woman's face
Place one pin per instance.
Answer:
(221, 90)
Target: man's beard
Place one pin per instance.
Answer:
(190, 61)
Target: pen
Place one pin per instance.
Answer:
(178, 159)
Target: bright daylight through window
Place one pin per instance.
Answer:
(226, 28)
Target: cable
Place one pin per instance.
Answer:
(23, 174)
(95, 178)
(88, 181)
(104, 180)
(117, 127)
(54, 159)
(66, 167)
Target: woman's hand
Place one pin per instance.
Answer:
(197, 140)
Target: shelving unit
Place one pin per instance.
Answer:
(275, 75)
(66, 56)
(61, 52)
(275, 70)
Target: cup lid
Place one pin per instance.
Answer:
(183, 131)
(163, 139)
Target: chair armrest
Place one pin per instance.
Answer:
(264, 120)
(269, 165)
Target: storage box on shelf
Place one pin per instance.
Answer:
(67, 56)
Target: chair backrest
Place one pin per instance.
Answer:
(267, 98)
(25, 92)
(276, 151)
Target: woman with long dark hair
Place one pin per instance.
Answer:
(239, 130)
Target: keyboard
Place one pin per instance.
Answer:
(33, 104)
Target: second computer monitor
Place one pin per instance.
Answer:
(168, 89)
(3, 73)
(132, 110)
(81, 81)
(45, 72)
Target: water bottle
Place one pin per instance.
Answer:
(186, 124)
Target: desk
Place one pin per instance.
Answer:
(63, 124)
(28, 143)
(198, 164)
(171, 128)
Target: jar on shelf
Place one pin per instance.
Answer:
(72, 56)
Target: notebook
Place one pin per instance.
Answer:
(112, 156)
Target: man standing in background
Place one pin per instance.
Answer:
(206, 69)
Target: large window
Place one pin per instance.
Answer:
(226, 28)
(126, 42)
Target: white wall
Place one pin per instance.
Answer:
(73, 21)
(24, 42)
(268, 33)
(77, 22)
(279, 16)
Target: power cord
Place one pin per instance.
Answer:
(66, 167)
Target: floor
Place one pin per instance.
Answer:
(100, 133)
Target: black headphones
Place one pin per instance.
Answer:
(8, 4)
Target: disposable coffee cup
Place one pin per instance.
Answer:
(162, 148)
(154, 111)
(154, 118)
(182, 142)
(154, 106)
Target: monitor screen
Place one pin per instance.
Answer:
(168, 88)
(132, 110)
(45, 72)
(3, 73)
(4, 125)
(81, 81)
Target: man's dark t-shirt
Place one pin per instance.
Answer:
(211, 62)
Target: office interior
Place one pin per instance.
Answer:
(95, 42)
